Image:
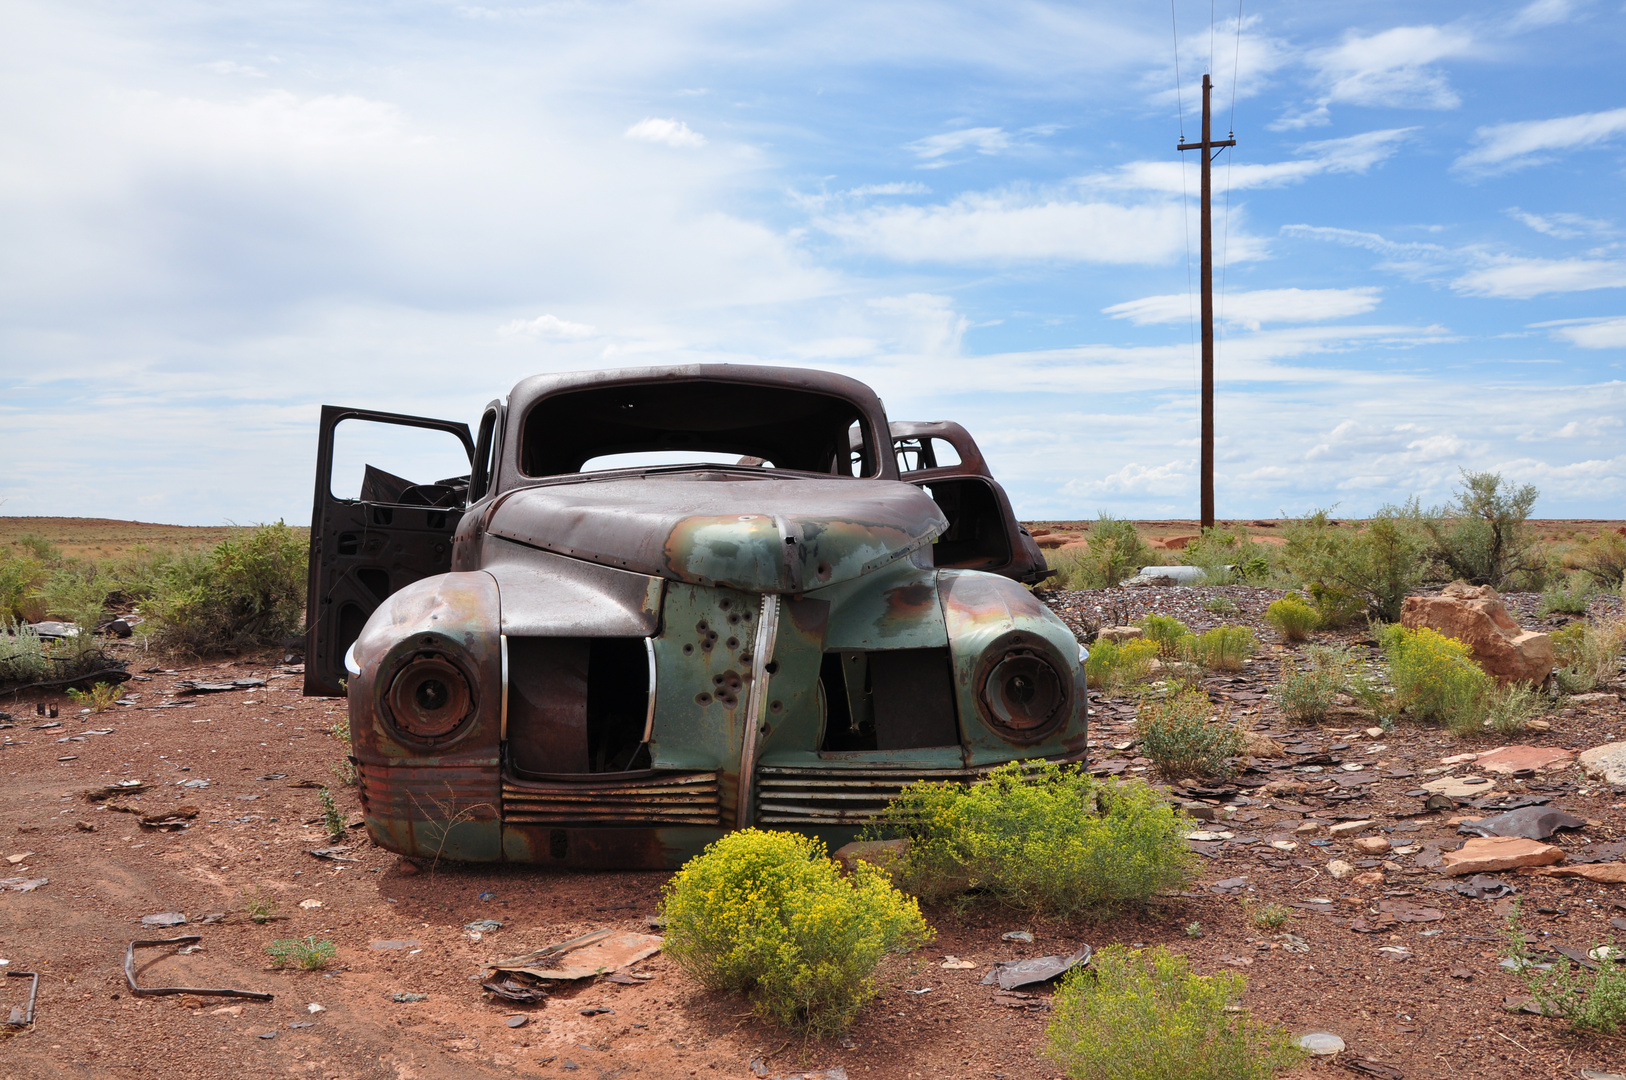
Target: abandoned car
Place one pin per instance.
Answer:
(648, 606)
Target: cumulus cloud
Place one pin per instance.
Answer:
(674, 133)
(548, 326)
(1520, 279)
(1253, 308)
(1519, 145)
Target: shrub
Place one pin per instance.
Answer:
(1220, 605)
(332, 820)
(1567, 597)
(20, 577)
(1335, 607)
(1592, 1001)
(1269, 916)
(1588, 653)
(1435, 678)
(1113, 667)
(1144, 1015)
(767, 914)
(1379, 565)
(1183, 738)
(309, 954)
(1225, 557)
(1044, 838)
(245, 593)
(1167, 631)
(1483, 536)
(1508, 707)
(1292, 617)
(1115, 552)
(1306, 693)
(1604, 558)
(1224, 647)
(99, 698)
(259, 905)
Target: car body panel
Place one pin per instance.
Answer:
(640, 660)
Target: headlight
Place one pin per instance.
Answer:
(429, 697)
(1024, 694)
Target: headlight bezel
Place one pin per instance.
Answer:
(428, 695)
(1021, 712)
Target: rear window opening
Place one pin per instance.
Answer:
(976, 538)
(577, 705)
(696, 422)
(891, 699)
(924, 453)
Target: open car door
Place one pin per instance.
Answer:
(942, 459)
(390, 491)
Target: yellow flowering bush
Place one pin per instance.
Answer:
(768, 914)
(1144, 1015)
(1048, 838)
(1435, 677)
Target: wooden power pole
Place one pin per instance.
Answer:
(1208, 146)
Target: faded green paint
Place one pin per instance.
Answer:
(796, 725)
(892, 608)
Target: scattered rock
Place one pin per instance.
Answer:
(1346, 828)
(1340, 869)
(1603, 872)
(1371, 879)
(1475, 616)
(1491, 853)
(402, 997)
(484, 926)
(1454, 787)
(1606, 762)
(1512, 759)
(310, 905)
(1372, 845)
(1014, 974)
(1593, 699)
(1025, 936)
(164, 918)
(405, 943)
(878, 853)
(954, 963)
(1118, 634)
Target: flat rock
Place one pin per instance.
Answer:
(1455, 786)
(1604, 872)
(1345, 828)
(1487, 854)
(1118, 634)
(1372, 845)
(1512, 759)
(1593, 699)
(1606, 762)
(878, 853)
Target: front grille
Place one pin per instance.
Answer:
(660, 799)
(804, 797)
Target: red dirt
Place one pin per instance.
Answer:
(254, 833)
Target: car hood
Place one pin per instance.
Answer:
(761, 534)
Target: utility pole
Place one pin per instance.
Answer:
(1208, 147)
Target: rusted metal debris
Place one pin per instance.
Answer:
(21, 1016)
(574, 657)
(157, 991)
(582, 957)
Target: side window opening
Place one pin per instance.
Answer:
(976, 537)
(398, 465)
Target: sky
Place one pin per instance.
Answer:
(217, 218)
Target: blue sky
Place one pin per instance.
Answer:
(219, 217)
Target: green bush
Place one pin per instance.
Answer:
(1169, 633)
(1508, 708)
(1112, 668)
(1567, 597)
(1604, 558)
(1183, 738)
(1588, 653)
(1483, 536)
(1116, 552)
(1435, 678)
(1292, 617)
(1045, 838)
(1592, 1001)
(1224, 647)
(20, 577)
(1335, 607)
(1226, 557)
(1306, 693)
(248, 592)
(769, 915)
(1379, 565)
(1220, 605)
(1144, 1015)
(309, 954)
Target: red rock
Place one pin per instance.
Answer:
(1488, 854)
(878, 853)
(1511, 759)
(1604, 872)
(1474, 615)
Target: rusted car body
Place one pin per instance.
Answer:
(558, 660)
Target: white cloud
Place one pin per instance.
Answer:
(1392, 68)
(1542, 13)
(1563, 226)
(675, 133)
(1012, 227)
(1351, 154)
(934, 148)
(550, 326)
(1251, 309)
(1519, 145)
(895, 188)
(1604, 333)
(923, 324)
(227, 67)
(1520, 279)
